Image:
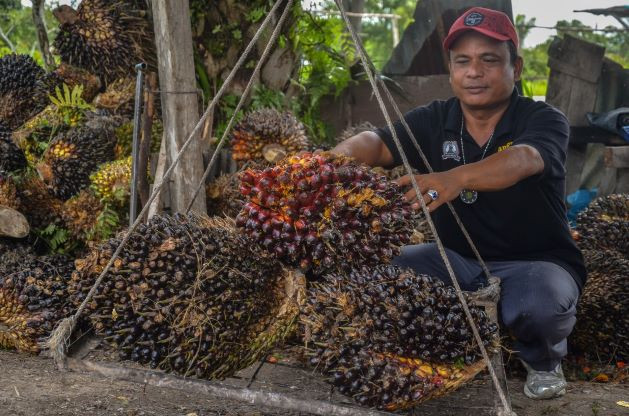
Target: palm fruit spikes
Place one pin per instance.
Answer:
(72, 156)
(604, 225)
(104, 37)
(112, 181)
(32, 301)
(11, 157)
(602, 323)
(324, 212)
(24, 89)
(188, 295)
(267, 133)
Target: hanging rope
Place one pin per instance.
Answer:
(370, 74)
(243, 98)
(58, 341)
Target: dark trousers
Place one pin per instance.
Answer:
(537, 299)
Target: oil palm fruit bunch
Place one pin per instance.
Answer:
(188, 295)
(354, 130)
(391, 310)
(267, 133)
(73, 155)
(8, 191)
(389, 382)
(107, 38)
(37, 204)
(223, 196)
(32, 300)
(24, 89)
(604, 225)
(13, 252)
(112, 181)
(324, 212)
(11, 157)
(602, 323)
(390, 338)
(80, 214)
(73, 76)
(118, 98)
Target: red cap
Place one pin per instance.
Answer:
(492, 23)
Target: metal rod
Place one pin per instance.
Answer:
(135, 149)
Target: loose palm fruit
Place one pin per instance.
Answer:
(253, 135)
(324, 212)
(189, 295)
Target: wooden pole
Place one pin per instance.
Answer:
(173, 39)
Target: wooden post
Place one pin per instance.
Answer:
(173, 39)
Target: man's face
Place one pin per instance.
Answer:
(481, 73)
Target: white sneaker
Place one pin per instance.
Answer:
(542, 385)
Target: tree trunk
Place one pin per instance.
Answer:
(355, 6)
(42, 34)
(222, 30)
(180, 111)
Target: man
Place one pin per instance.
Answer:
(499, 158)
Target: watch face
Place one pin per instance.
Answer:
(468, 196)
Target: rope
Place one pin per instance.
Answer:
(425, 160)
(58, 341)
(368, 69)
(243, 98)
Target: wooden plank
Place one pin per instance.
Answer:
(173, 39)
(576, 57)
(573, 96)
(616, 157)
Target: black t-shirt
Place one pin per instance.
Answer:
(526, 221)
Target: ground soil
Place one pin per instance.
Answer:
(32, 386)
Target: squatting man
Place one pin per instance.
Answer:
(500, 159)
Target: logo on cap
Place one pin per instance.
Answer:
(473, 19)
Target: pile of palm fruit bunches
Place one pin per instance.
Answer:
(65, 146)
(602, 234)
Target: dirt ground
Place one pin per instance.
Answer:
(32, 386)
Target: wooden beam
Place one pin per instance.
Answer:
(173, 39)
(616, 157)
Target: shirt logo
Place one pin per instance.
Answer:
(473, 19)
(505, 146)
(450, 150)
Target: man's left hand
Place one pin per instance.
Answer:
(447, 184)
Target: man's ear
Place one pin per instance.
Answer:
(518, 65)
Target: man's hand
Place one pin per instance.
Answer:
(448, 185)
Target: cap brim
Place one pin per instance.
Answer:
(452, 36)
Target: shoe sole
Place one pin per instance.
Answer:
(530, 395)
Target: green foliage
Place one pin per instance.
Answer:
(17, 25)
(10, 5)
(107, 224)
(57, 239)
(70, 104)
